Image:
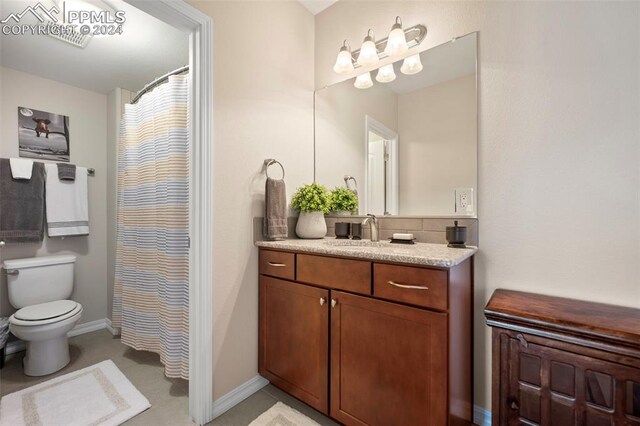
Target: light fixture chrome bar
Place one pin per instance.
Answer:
(415, 35)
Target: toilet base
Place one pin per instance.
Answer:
(46, 356)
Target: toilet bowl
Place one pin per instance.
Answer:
(40, 288)
(44, 329)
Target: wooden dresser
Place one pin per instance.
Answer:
(368, 342)
(563, 362)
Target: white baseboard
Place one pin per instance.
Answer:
(115, 331)
(481, 416)
(239, 394)
(87, 327)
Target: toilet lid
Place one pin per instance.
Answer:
(46, 310)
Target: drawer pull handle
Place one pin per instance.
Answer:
(277, 265)
(322, 301)
(412, 287)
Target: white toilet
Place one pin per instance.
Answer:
(39, 288)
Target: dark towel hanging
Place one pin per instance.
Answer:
(66, 171)
(21, 205)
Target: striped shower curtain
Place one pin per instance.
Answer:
(151, 289)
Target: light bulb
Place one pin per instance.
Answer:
(397, 41)
(411, 65)
(344, 63)
(363, 81)
(368, 53)
(386, 74)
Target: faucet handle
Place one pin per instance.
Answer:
(373, 217)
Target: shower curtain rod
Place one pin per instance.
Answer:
(158, 81)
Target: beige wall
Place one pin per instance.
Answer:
(87, 113)
(559, 97)
(263, 108)
(437, 151)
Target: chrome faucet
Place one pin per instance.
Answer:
(374, 226)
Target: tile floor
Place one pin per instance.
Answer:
(168, 397)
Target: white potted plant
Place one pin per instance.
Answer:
(312, 201)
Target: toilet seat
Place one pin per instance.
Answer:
(46, 313)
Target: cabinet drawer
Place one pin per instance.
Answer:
(339, 274)
(278, 264)
(416, 286)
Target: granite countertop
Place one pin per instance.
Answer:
(417, 254)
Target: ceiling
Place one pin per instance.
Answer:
(147, 49)
(317, 6)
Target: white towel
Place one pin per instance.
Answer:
(21, 168)
(67, 203)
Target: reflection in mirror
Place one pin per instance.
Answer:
(411, 143)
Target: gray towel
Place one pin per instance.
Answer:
(66, 171)
(21, 205)
(275, 217)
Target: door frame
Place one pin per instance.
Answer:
(392, 186)
(185, 17)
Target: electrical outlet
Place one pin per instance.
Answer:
(464, 200)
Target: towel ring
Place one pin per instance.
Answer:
(269, 162)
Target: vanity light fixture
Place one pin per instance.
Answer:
(363, 81)
(344, 61)
(368, 52)
(411, 65)
(372, 51)
(397, 41)
(386, 74)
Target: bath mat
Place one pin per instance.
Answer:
(96, 395)
(283, 415)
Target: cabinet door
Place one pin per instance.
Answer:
(294, 339)
(388, 363)
(546, 386)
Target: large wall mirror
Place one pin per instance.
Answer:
(409, 146)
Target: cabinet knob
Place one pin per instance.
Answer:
(322, 301)
(334, 302)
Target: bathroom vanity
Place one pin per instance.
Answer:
(369, 333)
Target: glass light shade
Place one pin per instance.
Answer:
(386, 74)
(368, 53)
(397, 42)
(411, 65)
(344, 64)
(363, 81)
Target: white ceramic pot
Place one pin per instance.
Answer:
(311, 225)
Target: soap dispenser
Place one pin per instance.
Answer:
(456, 235)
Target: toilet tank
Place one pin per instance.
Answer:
(39, 279)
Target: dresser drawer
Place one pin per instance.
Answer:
(406, 284)
(339, 274)
(278, 264)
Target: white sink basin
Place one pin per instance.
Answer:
(353, 243)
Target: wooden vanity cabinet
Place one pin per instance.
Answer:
(294, 342)
(387, 363)
(367, 352)
(563, 362)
